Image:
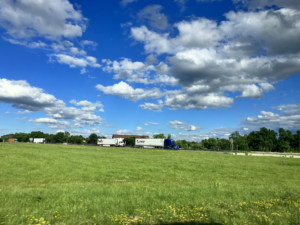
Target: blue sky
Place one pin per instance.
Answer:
(191, 68)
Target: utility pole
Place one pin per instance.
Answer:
(231, 144)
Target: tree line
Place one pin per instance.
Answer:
(59, 137)
(262, 140)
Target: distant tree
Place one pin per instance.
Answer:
(185, 144)
(296, 141)
(212, 143)
(37, 134)
(268, 139)
(284, 146)
(285, 138)
(224, 144)
(159, 136)
(194, 145)
(50, 138)
(101, 137)
(169, 136)
(7, 136)
(130, 141)
(75, 139)
(204, 143)
(235, 135)
(239, 141)
(93, 138)
(179, 143)
(182, 143)
(60, 137)
(72, 139)
(79, 139)
(255, 140)
(22, 137)
(67, 135)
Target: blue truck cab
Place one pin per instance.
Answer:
(170, 144)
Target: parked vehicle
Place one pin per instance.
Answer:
(110, 142)
(12, 140)
(39, 140)
(156, 143)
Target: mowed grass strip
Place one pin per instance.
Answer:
(57, 184)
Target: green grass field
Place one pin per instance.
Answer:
(56, 184)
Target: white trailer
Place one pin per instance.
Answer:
(110, 142)
(39, 140)
(146, 143)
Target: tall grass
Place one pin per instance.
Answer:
(51, 184)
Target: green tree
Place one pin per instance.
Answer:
(76, 139)
(159, 136)
(6, 137)
(224, 144)
(60, 137)
(268, 139)
(169, 136)
(255, 140)
(130, 141)
(296, 141)
(285, 138)
(194, 145)
(37, 134)
(204, 143)
(284, 146)
(185, 144)
(179, 143)
(211, 143)
(79, 139)
(67, 135)
(72, 139)
(50, 138)
(93, 138)
(22, 137)
(239, 141)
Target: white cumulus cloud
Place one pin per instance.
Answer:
(50, 19)
(122, 89)
(177, 125)
(32, 99)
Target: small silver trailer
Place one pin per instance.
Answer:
(39, 140)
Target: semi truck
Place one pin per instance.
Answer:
(12, 140)
(110, 142)
(156, 143)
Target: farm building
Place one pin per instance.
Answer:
(119, 136)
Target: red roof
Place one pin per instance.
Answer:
(125, 136)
